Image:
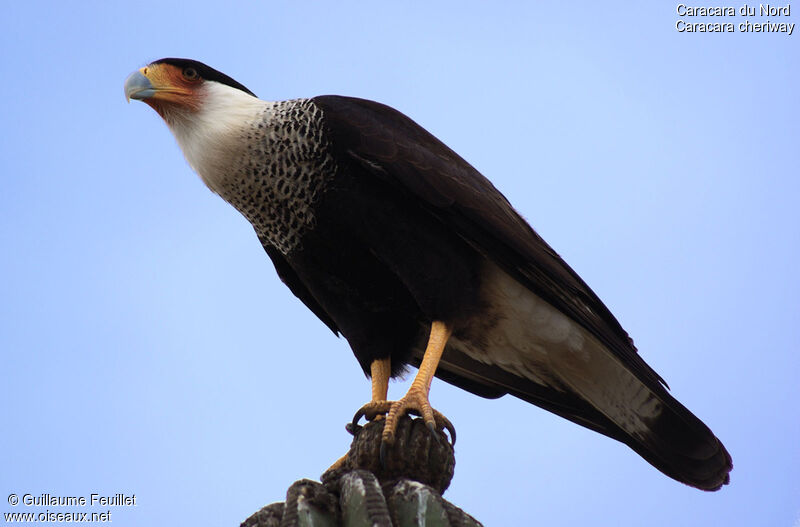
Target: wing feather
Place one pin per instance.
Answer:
(388, 145)
(396, 149)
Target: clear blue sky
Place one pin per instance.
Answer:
(148, 347)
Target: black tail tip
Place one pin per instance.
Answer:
(721, 466)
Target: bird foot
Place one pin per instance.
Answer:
(413, 403)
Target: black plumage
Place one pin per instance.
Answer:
(380, 229)
(415, 222)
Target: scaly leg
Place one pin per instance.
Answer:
(380, 370)
(416, 399)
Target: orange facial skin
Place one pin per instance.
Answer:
(174, 87)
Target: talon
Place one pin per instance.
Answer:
(445, 424)
(357, 418)
(432, 429)
(451, 430)
(415, 402)
(372, 411)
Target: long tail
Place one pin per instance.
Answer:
(655, 425)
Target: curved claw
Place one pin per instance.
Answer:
(352, 429)
(434, 420)
(371, 410)
(446, 425)
(432, 429)
(356, 418)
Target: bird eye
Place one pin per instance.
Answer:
(190, 74)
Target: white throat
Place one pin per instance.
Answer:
(213, 137)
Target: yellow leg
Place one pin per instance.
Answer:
(380, 371)
(440, 332)
(416, 399)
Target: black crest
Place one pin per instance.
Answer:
(206, 72)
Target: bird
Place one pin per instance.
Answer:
(399, 245)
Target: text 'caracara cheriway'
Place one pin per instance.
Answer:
(397, 243)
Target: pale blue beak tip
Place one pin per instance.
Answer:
(138, 87)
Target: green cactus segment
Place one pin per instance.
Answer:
(361, 500)
(403, 490)
(310, 516)
(416, 505)
(308, 504)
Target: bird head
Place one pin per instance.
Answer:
(204, 108)
(175, 87)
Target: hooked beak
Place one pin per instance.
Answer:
(138, 87)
